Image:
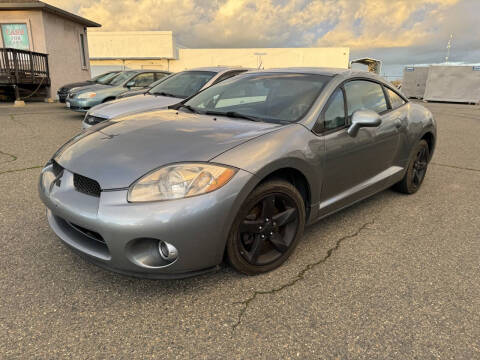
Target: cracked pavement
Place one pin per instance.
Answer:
(391, 277)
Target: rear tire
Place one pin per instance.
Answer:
(416, 171)
(267, 228)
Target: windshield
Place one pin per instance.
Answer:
(121, 78)
(277, 97)
(183, 84)
(105, 78)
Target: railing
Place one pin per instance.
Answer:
(23, 67)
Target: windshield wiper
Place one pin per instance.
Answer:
(234, 114)
(161, 93)
(192, 109)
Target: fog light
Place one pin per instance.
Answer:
(167, 251)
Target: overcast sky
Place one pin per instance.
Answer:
(398, 32)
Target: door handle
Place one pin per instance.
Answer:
(398, 123)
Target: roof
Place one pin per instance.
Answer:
(38, 5)
(217, 69)
(310, 70)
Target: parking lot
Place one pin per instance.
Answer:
(394, 276)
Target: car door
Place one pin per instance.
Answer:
(352, 162)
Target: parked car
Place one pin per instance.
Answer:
(235, 171)
(83, 98)
(99, 79)
(176, 88)
(141, 91)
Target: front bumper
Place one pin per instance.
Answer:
(198, 227)
(81, 105)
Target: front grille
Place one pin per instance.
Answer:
(89, 233)
(93, 120)
(86, 186)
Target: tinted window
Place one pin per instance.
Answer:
(159, 76)
(395, 100)
(268, 96)
(364, 95)
(183, 84)
(143, 80)
(334, 115)
(228, 75)
(121, 78)
(107, 78)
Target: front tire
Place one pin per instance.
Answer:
(416, 171)
(267, 228)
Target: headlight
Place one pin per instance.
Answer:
(180, 181)
(87, 95)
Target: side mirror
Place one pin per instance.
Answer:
(130, 84)
(363, 118)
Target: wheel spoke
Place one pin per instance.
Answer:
(285, 217)
(416, 177)
(278, 242)
(268, 207)
(250, 226)
(255, 250)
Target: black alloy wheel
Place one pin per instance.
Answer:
(417, 169)
(267, 228)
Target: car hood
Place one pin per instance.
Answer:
(77, 84)
(131, 105)
(94, 87)
(116, 153)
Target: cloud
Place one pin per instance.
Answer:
(423, 25)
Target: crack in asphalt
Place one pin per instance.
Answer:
(24, 169)
(456, 167)
(300, 275)
(13, 157)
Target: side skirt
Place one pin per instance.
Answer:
(359, 192)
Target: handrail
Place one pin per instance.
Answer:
(23, 64)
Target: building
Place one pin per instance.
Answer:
(159, 50)
(38, 27)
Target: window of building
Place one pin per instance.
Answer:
(82, 49)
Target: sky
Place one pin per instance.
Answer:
(399, 32)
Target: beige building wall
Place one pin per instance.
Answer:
(158, 50)
(64, 51)
(269, 58)
(132, 45)
(191, 58)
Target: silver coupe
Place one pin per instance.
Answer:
(234, 172)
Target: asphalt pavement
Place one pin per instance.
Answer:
(394, 276)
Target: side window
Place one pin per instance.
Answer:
(364, 95)
(228, 75)
(143, 79)
(159, 76)
(334, 115)
(395, 100)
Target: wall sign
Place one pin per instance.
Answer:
(15, 36)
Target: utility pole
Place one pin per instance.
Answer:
(449, 46)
